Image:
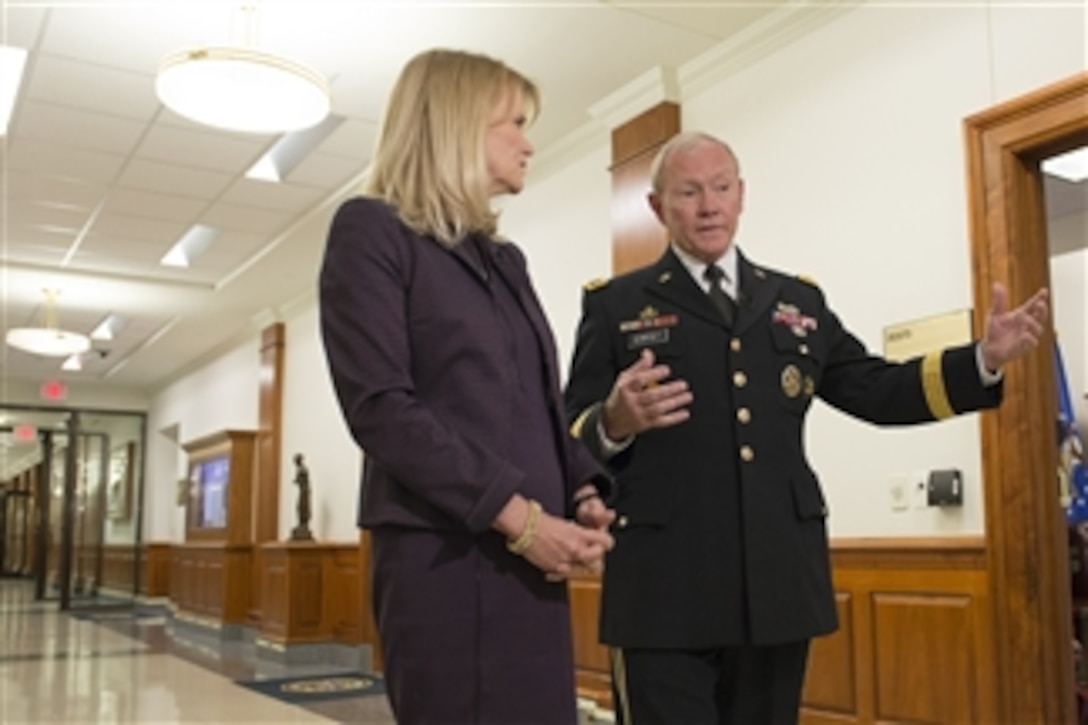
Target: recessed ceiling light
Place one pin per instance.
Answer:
(12, 64)
(108, 327)
(190, 246)
(290, 150)
(1071, 166)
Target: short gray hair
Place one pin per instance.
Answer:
(679, 143)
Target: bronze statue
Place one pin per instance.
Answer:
(301, 532)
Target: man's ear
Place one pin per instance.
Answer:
(654, 200)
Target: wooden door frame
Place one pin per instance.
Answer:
(1025, 528)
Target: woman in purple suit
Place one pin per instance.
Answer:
(478, 501)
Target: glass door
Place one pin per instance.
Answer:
(80, 476)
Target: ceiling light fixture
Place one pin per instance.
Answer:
(48, 340)
(291, 149)
(12, 64)
(191, 245)
(241, 88)
(108, 327)
(1071, 166)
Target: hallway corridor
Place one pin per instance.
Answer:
(123, 666)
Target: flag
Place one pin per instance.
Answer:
(1072, 473)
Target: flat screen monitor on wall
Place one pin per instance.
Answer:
(211, 479)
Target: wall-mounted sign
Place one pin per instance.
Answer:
(53, 390)
(905, 340)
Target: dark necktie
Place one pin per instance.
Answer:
(714, 274)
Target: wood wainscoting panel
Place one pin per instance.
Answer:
(212, 580)
(119, 567)
(592, 669)
(274, 594)
(915, 642)
(156, 579)
(923, 644)
(313, 593)
(831, 684)
(345, 589)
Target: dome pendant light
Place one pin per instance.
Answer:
(48, 340)
(240, 88)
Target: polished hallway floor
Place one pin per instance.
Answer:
(57, 668)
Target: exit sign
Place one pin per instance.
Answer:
(24, 433)
(54, 390)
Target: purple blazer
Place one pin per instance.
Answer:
(424, 377)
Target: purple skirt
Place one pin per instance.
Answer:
(469, 632)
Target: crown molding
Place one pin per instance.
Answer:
(757, 41)
(646, 91)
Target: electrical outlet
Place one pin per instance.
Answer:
(919, 490)
(899, 490)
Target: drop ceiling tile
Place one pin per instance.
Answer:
(49, 159)
(77, 129)
(27, 186)
(70, 219)
(174, 179)
(245, 218)
(92, 87)
(266, 195)
(161, 206)
(325, 171)
(352, 139)
(217, 151)
(98, 247)
(142, 228)
(35, 256)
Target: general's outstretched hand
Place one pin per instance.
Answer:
(1011, 334)
(642, 398)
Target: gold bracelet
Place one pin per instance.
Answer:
(525, 540)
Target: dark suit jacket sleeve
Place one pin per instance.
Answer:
(933, 387)
(363, 297)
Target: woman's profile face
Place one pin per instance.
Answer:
(507, 148)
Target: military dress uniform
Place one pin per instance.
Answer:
(720, 531)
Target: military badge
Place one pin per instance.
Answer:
(791, 381)
(665, 277)
(790, 316)
(649, 319)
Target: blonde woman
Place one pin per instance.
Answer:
(478, 501)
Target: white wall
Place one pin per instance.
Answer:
(564, 226)
(221, 395)
(314, 427)
(853, 150)
(851, 145)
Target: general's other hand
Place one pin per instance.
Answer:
(640, 400)
(1011, 334)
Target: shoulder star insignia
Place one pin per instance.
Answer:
(595, 284)
(807, 280)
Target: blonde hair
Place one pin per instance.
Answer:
(682, 143)
(430, 162)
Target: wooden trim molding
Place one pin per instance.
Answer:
(1025, 531)
(637, 236)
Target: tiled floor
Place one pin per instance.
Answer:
(56, 668)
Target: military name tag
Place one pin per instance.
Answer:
(647, 338)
